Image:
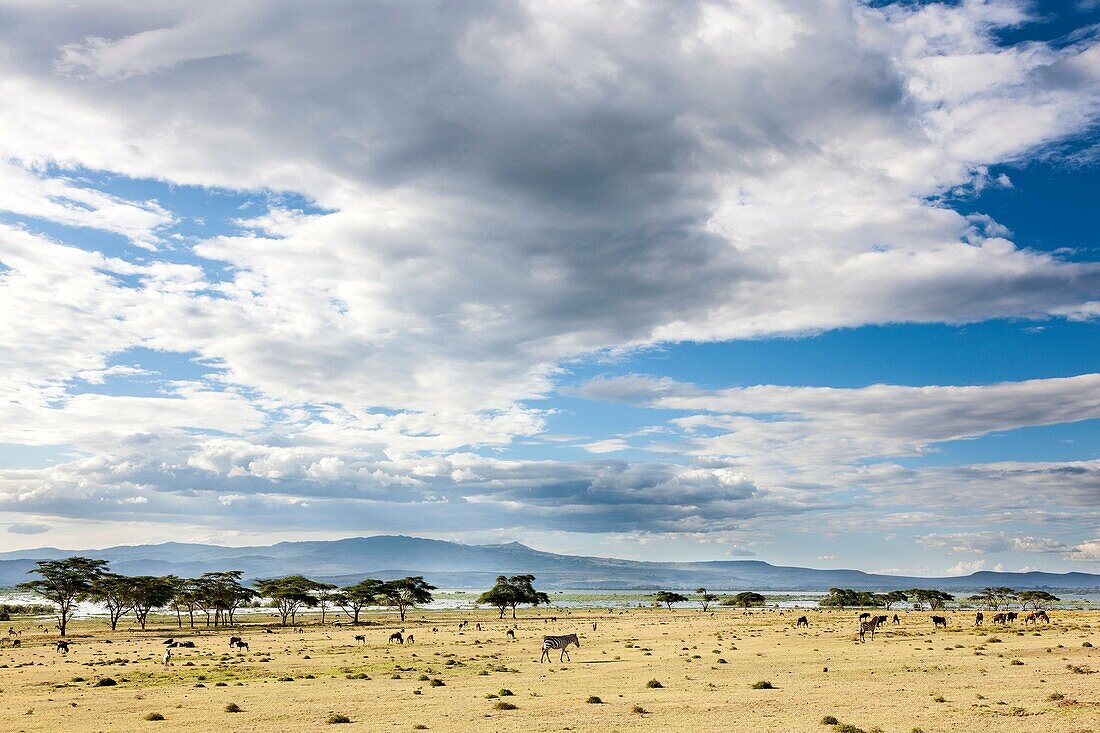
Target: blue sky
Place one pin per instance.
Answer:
(813, 284)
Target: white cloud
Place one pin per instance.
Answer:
(494, 191)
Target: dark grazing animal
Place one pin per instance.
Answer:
(409, 639)
(1042, 616)
(187, 644)
(558, 642)
(802, 621)
(999, 618)
(63, 647)
(360, 639)
(510, 633)
(171, 639)
(396, 636)
(241, 645)
(897, 620)
(979, 618)
(1011, 617)
(864, 616)
(881, 620)
(938, 621)
(233, 640)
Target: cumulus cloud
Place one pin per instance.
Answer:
(461, 201)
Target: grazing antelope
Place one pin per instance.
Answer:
(865, 626)
(396, 636)
(979, 618)
(558, 642)
(802, 621)
(63, 647)
(938, 621)
(360, 639)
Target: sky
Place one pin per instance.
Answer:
(815, 282)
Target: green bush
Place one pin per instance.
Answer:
(653, 684)
(763, 685)
(337, 718)
(154, 716)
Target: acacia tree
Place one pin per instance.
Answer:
(354, 598)
(65, 583)
(325, 592)
(289, 594)
(669, 597)
(406, 593)
(148, 592)
(747, 598)
(894, 596)
(1036, 598)
(114, 592)
(511, 592)
(934, 599)
(705, 598)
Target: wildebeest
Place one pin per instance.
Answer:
(979, 618)
(897, 620)
(938, 621)
(360, 639)
(1011, 617)
(881, 620)
(396, 636)
(864, 616)
(410, 639)
(802, 621)
(187, 644)
(63, 647)
(241, 645)
(233, 640)
(1042, 616)
(510, 633)
(999, 618)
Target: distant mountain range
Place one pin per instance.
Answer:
(454, 565)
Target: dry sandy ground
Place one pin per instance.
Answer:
(911, 677)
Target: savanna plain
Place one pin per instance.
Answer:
(636, 670)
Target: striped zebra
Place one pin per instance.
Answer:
(865, 626)
(558, 642)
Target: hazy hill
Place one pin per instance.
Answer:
(455, 565)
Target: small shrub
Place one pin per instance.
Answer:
(502, 705)
(763, 685)
(436, 682)
(916, 729)
(336, 718)
(653, 684)
(846, 728)
(939, 698)
(1056, 696)
(829, 720)
(594, 700)
(423, 678)
(420, 726)
(1087, 645)
(1016, 663)
(154, 716)
(638, 709)
(232, 708)
(106, 682)
(505, 692)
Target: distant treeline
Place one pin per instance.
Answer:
(7, 610)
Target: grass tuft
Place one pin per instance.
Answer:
(653, 684)
(763, 685)
(154, 716)
(337, 718)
